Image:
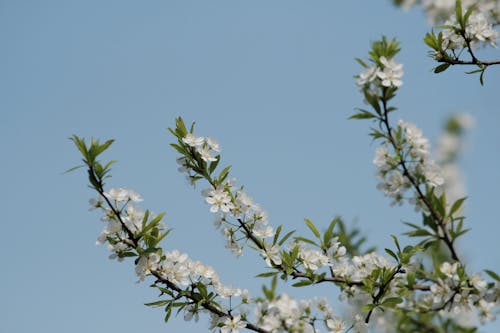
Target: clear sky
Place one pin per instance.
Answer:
(271, 80)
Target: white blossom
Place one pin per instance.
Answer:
(391, 73)
(192, 140)
(219, 199)
(335, 325)
(122, 194)
(232, 325)
(270, 253)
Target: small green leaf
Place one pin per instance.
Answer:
(306, 240)
(392, 301)
(441, 68)
(267, 274)
(277, 234)
(456, 206)
(302, 283)
(313, 228)
(284, 239)
(392, 254)
(158, 303)
(223, 174)
(493, 275)
(362, 114)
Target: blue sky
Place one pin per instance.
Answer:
(271, 80)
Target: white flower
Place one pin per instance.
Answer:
(232, 325)
(367, 76)
(192, 140)
(271, 255)
(219, 199)
(206, 154)
(419, 145)
(449, 270)
(95, 203)
(244, 202)
(382, 158)
(263, 231)
(191, 312)
(312, 259)
(394, 182)
(485, 313)
(176, 257)
(480, 29)
(359, 325)
(122, 194)
(146, 265)
(205, 272)
(175, 272)
(478, 283)
(133, 218)
(335, 325)
(391, 74)
(213, 144)
(226, 291)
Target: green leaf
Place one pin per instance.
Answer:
(179, 149)
(441, 68)
(431, 41)
(101, 148)
(361, 62)
(214, 164)
(267, 274)
(392, 254)
(158, 303)
(396, 242)
(180, 127)
(392, 301)
(223, 174)
(284, 239)
(362, 114)
(368, 307)
(313, 228)
(468, 13)
(456, 206)
(306, 240)
(277, 234)
(153, 223)
(328, 235)
(418, 233)
(168, 311)
(458, 13)
(493, 275)
(73, 168)
(302, 283)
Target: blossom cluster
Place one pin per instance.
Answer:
(414, 152)
(478, 32)
(131, 217)
(173, 266)
(285, 314)
(205, 147)
(178, 268)
(462, 296)
(384, 73)
(439, 11)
